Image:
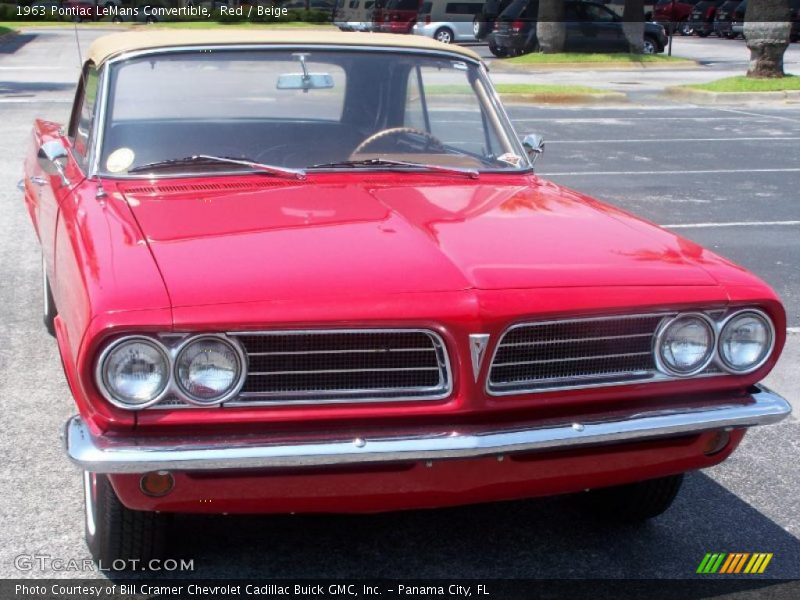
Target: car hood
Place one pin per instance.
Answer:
(329, 236)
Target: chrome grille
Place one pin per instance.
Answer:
(574, 353)
(310, 367)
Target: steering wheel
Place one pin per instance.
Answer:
(432, 140)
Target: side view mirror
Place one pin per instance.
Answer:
(52, 158)
(534, 146)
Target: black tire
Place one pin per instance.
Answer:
(444, 35)
(685, 28)
(702, 34)
(650, 45)
(638, 501)
(498, 51)
(114, 532)
(49, 310)
(116, 19)
(479, 28)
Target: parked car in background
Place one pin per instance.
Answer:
(723, 18)
(484, 21)
(703, 15)
(794, 7)
(397, 16)
(590, 27)
(448, 20)
(439, 326)
(354, 15)
(674, 16)
(737, 19)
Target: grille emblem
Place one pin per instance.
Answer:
(478, 343)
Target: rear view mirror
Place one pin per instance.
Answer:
(305, 82)
(534, 146)
(52, 159)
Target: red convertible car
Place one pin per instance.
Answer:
(305, 272)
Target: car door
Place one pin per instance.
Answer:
(52, 192)
(575, 39)
(602, 29)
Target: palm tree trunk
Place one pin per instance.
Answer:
(633, 25)
(766, 29)
(551, 31)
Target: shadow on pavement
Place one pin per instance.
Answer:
(543, 538)
(31, 88)
(12, 43)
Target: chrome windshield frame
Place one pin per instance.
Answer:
(105, 87)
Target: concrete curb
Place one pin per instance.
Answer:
(600, 98)
(501, 66)
(706, 97)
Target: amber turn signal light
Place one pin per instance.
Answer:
(717, 442)
(157, 483)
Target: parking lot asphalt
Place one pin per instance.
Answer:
(727, 178)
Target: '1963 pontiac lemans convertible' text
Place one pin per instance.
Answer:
(305, 272)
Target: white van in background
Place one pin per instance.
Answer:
(354, 15)
(448, 20)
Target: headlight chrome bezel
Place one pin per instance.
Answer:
(760, 314)
(661, 363)
(232, 391)
(716, 358)
(170, 352)
(100, 371)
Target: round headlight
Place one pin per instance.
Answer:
(133, 373)
(685, 345)
(209, 370)
(745, 341)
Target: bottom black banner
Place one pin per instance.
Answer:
(490, 589)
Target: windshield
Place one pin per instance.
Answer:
(296, 110)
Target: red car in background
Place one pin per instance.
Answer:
(674, 16)
(396, 16)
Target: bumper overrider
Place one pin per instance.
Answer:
(140, 454)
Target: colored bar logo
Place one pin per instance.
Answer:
(734, 562)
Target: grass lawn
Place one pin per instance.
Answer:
(544, 88)
(517, 88)
(4, 30)
(537, 58)
(746, 84)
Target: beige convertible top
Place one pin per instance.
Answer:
(112, 45)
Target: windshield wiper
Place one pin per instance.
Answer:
(206, 158)
(387, 162)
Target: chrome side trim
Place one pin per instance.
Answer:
(106, 454)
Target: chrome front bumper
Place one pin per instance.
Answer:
(138, 454)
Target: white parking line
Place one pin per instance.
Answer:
(683, 172)
(661, 141)
(32, 101)
(623, 120)
(793, 329)
(32, 68)
(752, 114)
(730, 224)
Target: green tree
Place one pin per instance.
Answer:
(767, 27)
